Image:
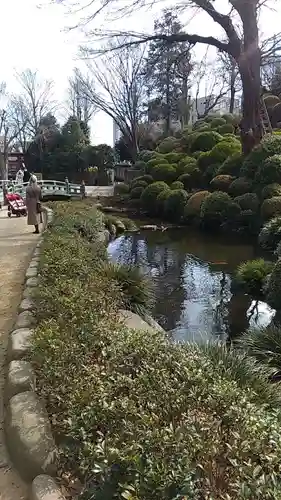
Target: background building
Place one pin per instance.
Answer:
(198, 106)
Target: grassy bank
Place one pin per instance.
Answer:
(135, 416)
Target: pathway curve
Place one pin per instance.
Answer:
(16, 246)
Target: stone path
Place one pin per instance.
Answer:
(16, 245)
(100, 191)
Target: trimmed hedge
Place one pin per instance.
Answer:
(270, 145)
(248, 201)
(252, 275)
(164, 172)
(221, 183)
(218, 208)
(271, 207)
(232, 165)
(241, 185)
(137, 415)
(149, 196)
(270, 234)
(269, 171)
(177, 185)
(175, 203)
(205, 141)
(271, 190)
(193, 205)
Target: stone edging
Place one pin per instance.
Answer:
(28, 430)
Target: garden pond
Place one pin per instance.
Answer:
(192, 274)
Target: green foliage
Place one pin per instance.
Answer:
(271, 207)
(218, 122)
(121, 189)
(274, 287)
(161, 200)
(199, 124)
(148, 179)
(184, 165)
(173, 157)
(164, 172)
(145, 416)
(269, 171)
(248, 201)
(135, 288)
(271, 190)
(193, 205)
(252, 275)
(226, 129)
(175, 203)
(232, 165)
(221, 183)
(217, 208)
(167, 145)
(264, 345)
(219, 153)
(177, 185)
(270, 234)
(270, 145)
(145, 155)
(149, 196)
(137, 191)
(195, 176)
(241, 185)
(185, 179)
(139, 183)
(157, 160)
(205, 141)
(271, 101)
(140, 165)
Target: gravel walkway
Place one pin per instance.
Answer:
(16, 245)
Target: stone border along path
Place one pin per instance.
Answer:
(28, 431)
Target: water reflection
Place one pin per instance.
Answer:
(192, 275)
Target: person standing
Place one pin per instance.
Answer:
(33, 203)
(19, 176)
(26, 174)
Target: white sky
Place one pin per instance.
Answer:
(34, 37)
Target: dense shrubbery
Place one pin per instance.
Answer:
(218, 208)
(164, 172)
(141, 417)
(252, 275)
(269, 171)
(205, 141)
(149, 196)
(270, 191)
(175, 203)
(177, 185)
(221, 182)
(270, 146)
(274, 287)
(241, 185)
(232, 165)
(136, 192)
(193, 206)
(271, 207)
(270, 234)
(248, 201)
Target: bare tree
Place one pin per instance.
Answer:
(34, 101)
(214, 84)
(78, 102)
(230, 74)
(119, 89)
(240, 39)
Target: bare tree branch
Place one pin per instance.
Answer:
(78, 103)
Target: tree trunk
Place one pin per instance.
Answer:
(232, 89)
(249, 63)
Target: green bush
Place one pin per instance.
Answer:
(185, 179)
(248, 201)
(241, 185)
(149, 196)
(184, 165)
(135, 288)
(210, 172)
(271, 101)
(218, 208)
(137, 191)
(270, 234)
(269, 171)
(175, 203)
(264, 345)
(221, 183)
(232, 165)
(167, 145)
(218, 154)
(158, 160)
(145, 155)
(274, 287)
(164, 172)
(226, 129)
(270, 145)
(271, 190)
(177, 185)
(161, 200)
(205, 141)
(193, 205)
(140, 165)
(199, 123)
(121, 189)
(252, 275)
(173, 157)
(271, 207)
(136, 414)
(139, 184)
(192, 176)
(218, 122)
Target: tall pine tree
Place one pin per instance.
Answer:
(168, 68)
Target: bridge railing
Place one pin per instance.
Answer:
(48, 187)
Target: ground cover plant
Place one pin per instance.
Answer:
(134, 415)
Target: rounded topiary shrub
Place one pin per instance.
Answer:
(121, 189)
(269, 171)
(161, 200)
(218, 208)
(217, 122)
(221, 182)
(271, 190)
(226, 129)
(251, 275)
(184, 165)
(241, 185)
(149, 196)
(185, 179)
(164, 172)
(271, 207)
(167, 145)
(274, 287)
(248, 201)
(199, 123)
(177, 185)
(145, 155)
(175, 203)
(136, 192)
(173, 157)
(210, 172)
(205, 141)
(232, 165)
(138, 183)
(271, 101)
(218, 154)
(157, 160)
(270, 234)
(193, 205)
(140, 165)
(270, 146)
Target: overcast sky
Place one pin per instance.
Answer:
(34, 37)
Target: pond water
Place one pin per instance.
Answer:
(192, 275)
